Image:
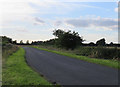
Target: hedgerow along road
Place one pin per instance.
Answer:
(69, 71)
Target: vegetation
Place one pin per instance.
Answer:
(7, 51)
(96, 53)
(92, 52)
(15, 69)
(7, 48)
(17, 72)
(110, 63)
(101, 42)
(68, 40)
(99, 52)
(6, 40)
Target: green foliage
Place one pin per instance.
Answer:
(6, 40)
(7, 50)
(91, 44)
(27, 42)
(107, 53)
(99, 52)
(68, 40)
(17, 72)
(49, 42)
(101, 42)
(14, 42)
(58, 33)
(84, 51)
(21, 42)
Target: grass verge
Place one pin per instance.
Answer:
(109, 63)
(17, 72)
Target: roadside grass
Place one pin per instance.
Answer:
(17, 72)
(7, 51)
(105, 62)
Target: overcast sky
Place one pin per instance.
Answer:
(36, 19)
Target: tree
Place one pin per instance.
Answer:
(58, 33)
(27, 42)
(101, 42)
(6, 40)
(14, 42)
(91, 44)
(21, 42)
(68, 40)
(111, 44)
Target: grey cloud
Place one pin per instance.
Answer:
(105, 22)
(98, 22)
(22, 30)
(78, 22)
(39, 20)
(58, 23)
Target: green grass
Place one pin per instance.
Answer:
(109, 63)
(17, 72)
(7, 51)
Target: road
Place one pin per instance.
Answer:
(69, 71)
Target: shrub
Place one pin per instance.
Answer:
(99, 52)
(68, 40)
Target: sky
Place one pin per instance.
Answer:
(35, 20)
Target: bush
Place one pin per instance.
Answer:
(107, 53)
(85, 51)
(99, 52)
(67, 40)
(7, 50)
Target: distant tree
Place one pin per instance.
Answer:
(50, 42)
(21, 42)
(91, 44)
(101, 42)
(68, 40)
(32, 43)
(14, 42)
(36, 42)
(27, 42)
(111, 44)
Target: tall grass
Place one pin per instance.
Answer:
(17, 72)
(7, 50)
(99, 52)
(92, 52)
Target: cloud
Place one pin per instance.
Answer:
(17, 10)
(39, 21)
(13, 10)
(15, 28)
(58, 23)
(103, 23)
(22, 30)
(58, 7)
(78, 22)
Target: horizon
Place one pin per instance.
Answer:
(35, 20)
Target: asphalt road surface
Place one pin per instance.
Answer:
(69, 71)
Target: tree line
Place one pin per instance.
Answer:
(63, 39)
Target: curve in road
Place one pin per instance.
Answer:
(69, 71)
